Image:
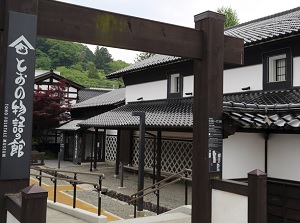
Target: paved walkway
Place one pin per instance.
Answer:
(170, 197)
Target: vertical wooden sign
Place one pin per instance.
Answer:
(18, 97)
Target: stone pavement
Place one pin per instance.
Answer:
(170, 197)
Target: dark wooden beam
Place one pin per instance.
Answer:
(208, 105)
(76, 23)
(64, 21)
(233, 50)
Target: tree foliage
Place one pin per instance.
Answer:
(49, 108)
(77, 62)
(143, 56)
(102, 58)
(231, 16)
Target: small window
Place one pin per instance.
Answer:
(174, 85)
(277, 70)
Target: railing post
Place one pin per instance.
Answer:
(40, 179)
(74, 193)
(186, 188)
(55, 186)
(121, 174)
(157, 200)
(257, 197)
(34, 204)
(134, 213)
(99, 195)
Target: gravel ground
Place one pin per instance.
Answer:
(171, 196)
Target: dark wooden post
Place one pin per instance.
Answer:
(140, 202)
(257, 197)
(28, 7)
(96, 148)
(118, 149)
(34, 204)
(208, 105)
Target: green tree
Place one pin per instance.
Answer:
(231, 16)
(92, 71)
(143, 56)
(102, 57)
(116, 65)
(42, 60)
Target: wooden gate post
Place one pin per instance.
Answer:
(257, 197)
(207, 109)
(34, 204)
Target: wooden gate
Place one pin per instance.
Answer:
(283, 201)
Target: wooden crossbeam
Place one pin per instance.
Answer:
(86, 25)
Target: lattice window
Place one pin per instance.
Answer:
(111, 148)
(176, 154)
(149, 145)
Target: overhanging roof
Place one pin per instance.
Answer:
(173, 113)
(70, 126)
(177, 114)
(113, 97)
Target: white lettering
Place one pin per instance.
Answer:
(21, 69)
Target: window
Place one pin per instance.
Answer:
(174, 85)
(277, 70)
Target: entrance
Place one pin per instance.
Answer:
(89, 152)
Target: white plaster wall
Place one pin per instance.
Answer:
(11, 219)
(242, 153)
(228, 207)
(111, 132)
(284, 156)
(296, 71)
(149, 91)
(238, 78)
(188, 85)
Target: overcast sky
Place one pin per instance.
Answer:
(181, 12)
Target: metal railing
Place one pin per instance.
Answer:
(73, 181)
(180, 176)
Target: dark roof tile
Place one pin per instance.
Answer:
(110, 98)
(88, 93)
(178, 113)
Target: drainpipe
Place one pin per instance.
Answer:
(266, 151)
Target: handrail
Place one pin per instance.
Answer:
(74, 182)
(68, 171)
(182, 175)
(166, 179)
(96, 185)
(153, 190)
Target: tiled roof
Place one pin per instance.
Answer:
(178, 113)
(172, 113)
(264, 110)
(110, 98)
(70, 126)
(86, 94)
(264, 29)
(270, 27)
(153, 61)
(289, 96)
